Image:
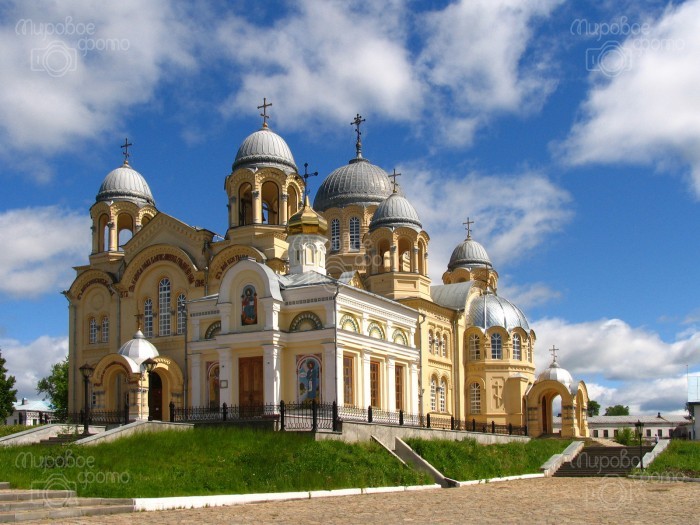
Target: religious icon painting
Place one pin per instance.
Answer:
(308, 378)
(249, 306)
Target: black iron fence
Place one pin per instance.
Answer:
(329, 416)
(99, 417)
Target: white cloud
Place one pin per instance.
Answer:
(70, 70)
(648, 109)
(33, 361)
(527, 295)
(39, 247)
(324, 60)
(621, 364)
(513, 214)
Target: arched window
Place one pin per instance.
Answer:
(475, 398)
(433, 394)
(270, 203)
(431, 342)
(445, 352)
(443, 396)
(148, 318)
(517, 353)
(474, 348)
(164, 307)
(93, 330)
(335, 235)
(181, 314)
(245, 204)
(438, 343)
(354, 233)
(105, 329)
(496, 346)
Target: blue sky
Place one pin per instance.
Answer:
(568, 132)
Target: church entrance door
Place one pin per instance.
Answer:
(250, 381)
(155, 397)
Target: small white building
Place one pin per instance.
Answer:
(30, 413)
(661, 427)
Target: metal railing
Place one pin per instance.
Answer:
(99, 417)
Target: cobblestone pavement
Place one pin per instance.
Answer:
(542, 500)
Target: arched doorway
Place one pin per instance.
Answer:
(155, 397)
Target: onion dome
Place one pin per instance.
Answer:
(125, 184)
(264, 147)
(488, 310)
(469, 254)
(307, 221)
(556, 373)
(395, 212)
(138, 349)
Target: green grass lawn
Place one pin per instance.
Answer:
(208, 460)
(468, 460)
(6, 430)
(680, 458)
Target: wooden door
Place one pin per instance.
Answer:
(250, 381)
(155, 397)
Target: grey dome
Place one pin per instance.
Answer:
(359, 182)
(395, 212)
(125, 184)
(264, 147)
(556, 373)
(488, 310)
(469, 254)
(138, 349)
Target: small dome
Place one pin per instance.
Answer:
(469, 254)
(125, 184)
(307, 220)
(139, 348)
(488, 310)
(264, 147)
(395, 212)
(359, 182)
(556, 373)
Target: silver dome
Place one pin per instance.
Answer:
(125, 184)
(359, 182)
(556, 373)
(395, 212)
(488, 310)
(469, 254)
(264, 147)
(138, 349)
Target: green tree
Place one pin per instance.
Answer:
(617, 410)
(626, 437)
(8, 395)
(593, 408)
(55, 385)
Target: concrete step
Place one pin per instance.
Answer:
(39, 501)
(51, 513)
(4, 485)
(602, 461)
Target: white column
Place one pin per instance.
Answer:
(330, 376)
(391, 382)
(225, 310)
(233, 384)
(196, 380)
(414, 388)
(272, 310)
(225, 374)
(340, 387)
(271, 374)
(366, 392)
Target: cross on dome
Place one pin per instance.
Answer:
(125, 147)
(468, 225)
(393, 176)
(264, 114)
(554, 351)
(358, 145)
(306, 176)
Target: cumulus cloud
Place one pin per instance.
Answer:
(621, 364)
(513, 214)
(527, 295)
(32, 361)
(70, 69)
(643, 105)
(40, 245)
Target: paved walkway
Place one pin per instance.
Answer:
(544, 500)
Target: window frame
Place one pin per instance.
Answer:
(354, 238)
(497, 348)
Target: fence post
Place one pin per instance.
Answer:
(225, 407)
(400, 417)
(314, 416)
(525, 430)
(126, 413)
(473, 425)
(82, 416)
(369, 414)
(335, 416)
(282, 415)
(510, 428)
(427, 421)
(493, 426)
(452, 422)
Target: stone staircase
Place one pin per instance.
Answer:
(27, 505)
(63, 439)
(597, 461)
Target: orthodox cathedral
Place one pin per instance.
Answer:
(330, 302)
